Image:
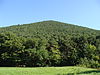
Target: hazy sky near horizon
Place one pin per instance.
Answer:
(81, 12)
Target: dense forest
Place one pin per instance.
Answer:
(49, 43)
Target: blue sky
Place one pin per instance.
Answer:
(81, 12)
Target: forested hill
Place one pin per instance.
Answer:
(49, 43)
(48, 29)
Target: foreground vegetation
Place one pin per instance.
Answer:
(49, 43)
(49, 71)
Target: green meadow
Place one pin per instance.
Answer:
(48, 71)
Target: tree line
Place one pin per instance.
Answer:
(64, 50)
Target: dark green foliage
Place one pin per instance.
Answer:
(49, 43)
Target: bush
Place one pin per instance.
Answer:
(90, 63)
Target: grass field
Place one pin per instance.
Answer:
(49, 71)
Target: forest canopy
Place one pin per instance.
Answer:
(49, 43)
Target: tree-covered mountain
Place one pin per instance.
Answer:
(48, 29)
(49, 43)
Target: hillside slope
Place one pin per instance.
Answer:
(49, 43)
(49, 28)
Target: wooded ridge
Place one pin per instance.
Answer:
(49, 43)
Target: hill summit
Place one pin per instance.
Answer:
(48, 28)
